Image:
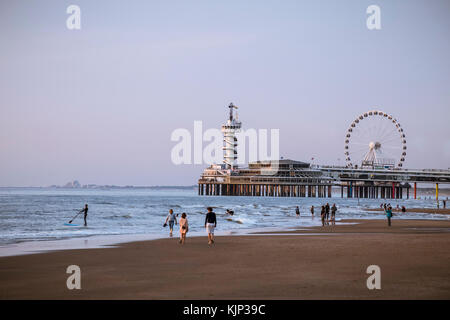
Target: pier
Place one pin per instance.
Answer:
(299, 179)
(374, 179)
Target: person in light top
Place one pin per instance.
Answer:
(184, 228)
(171, 219)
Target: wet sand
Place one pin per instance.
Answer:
(418, 210)
(324, 263)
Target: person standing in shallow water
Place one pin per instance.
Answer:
(85, 210)
(389, 215)
(184, 228)
(297, 211)
(312, 211)
(322, 215)
(210, 224)
(327, 211)
(333, 213)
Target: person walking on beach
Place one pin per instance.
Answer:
(171, 219)
(333, 212)
(210, 224)
(389, 215)
(322, 215)
(297, 211)
(184, 228)
(327, 211)
(444, 202)
(312, 211)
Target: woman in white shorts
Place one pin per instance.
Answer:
(210, 224)
(184, 228)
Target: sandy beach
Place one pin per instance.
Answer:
(318, 263)
(419, 210)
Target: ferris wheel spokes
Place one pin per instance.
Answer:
(375, 139)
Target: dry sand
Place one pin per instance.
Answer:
(413, 255)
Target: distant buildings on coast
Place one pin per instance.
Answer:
(75, 184)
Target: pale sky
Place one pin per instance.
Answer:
(99, 104)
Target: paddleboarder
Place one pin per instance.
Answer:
(85, 211)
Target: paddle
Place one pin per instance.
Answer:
(76, 216)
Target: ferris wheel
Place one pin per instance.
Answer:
(375, 139)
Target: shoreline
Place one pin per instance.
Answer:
(113, 240)
(415, 210)
(309, 263)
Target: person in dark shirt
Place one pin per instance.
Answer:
(327, 211)
(85, 210)
(333, 213)
(297, 211)
(322, 215)
(210, 224)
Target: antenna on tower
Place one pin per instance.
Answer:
(232, 106)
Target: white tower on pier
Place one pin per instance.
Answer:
(229, 139)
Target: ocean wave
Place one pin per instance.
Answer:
(126, 216)
(236, 221)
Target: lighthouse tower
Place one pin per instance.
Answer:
(229, 139)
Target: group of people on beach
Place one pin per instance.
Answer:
(387, 205)
(324, 213)
(210, 224)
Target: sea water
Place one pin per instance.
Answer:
(32, 214)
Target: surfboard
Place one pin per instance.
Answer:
(71, 224)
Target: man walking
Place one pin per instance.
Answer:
(171, 219)
(210, 224)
